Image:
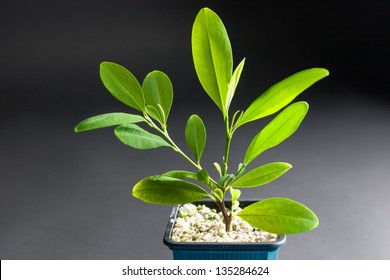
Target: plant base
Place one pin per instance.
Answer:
(220, 250)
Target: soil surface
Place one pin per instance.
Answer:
(202, 224)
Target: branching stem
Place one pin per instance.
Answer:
(164, 132)
(221, 204)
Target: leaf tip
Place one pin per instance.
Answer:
(325, 72)
(80, 127)
(303, 104)
(104, 64)
(288, 165)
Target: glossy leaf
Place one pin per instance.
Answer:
(106, 120)
(122, 85)
(280, 216)
(281, 94)
(156, 113)
(158, 91)
(218, 193)
(218, 167)
(195, 134)
(134, 136)
(203, 176)
(212, 55)
(235, 196)
(224, 181)
(233, 84)
(278, 130)
(167, 190)
(180, 174)
(241, 169)
(262, 175)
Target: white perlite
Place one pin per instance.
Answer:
(202, 224)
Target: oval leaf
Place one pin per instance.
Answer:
(156, 113)
(166, 190)
(218, 167)
(180, 174)
(278, 130)
(281, 94)
(235, 196)
(218, 193)
(158, 91)
(134, 136)
(203, 176)
(262, 175)
(106, 120)
(195, 135)
(122, 85)
(212, 55)
(280, 216)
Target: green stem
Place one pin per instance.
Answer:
(164, 132)
(227, 146)
(175, 147)
(179, 151)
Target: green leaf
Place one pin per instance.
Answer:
(262, 175)
(278, 130)
(166, 190)
(240, 169)
(134, 136)
(203, 176)
(235, 196)
(180, 174)
(218, 193)
(158, 90)
(280, 216)
(224, 181)
(237, 115)
(233, 84)
(122, 85)
(156, 113)
(281, 94)
(212, 55)
(195, 134)
(106, 120)
(218, 167)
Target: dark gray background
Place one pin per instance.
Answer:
(66, 196)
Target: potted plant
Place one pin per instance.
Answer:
(213, 61)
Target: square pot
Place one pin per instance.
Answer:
(220, 250)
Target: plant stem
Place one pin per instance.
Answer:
(179, 151)
(164, 132)
(227, 146)
(226, 217)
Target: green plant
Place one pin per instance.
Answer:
(213, 60)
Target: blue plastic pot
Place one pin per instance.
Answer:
(220, 250)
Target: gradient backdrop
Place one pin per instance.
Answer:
(66, 196)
